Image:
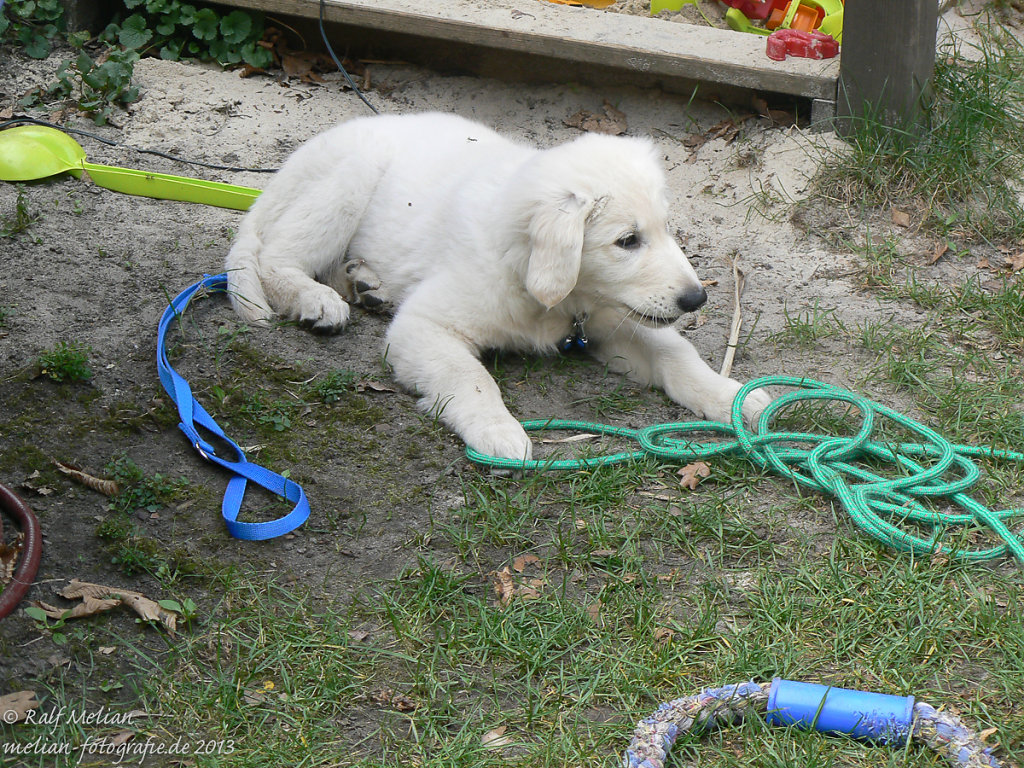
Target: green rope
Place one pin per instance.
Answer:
(931, 469)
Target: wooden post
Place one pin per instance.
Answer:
(888, 58)
(92, 15)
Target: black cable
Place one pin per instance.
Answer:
(345, 74)
(21, 120)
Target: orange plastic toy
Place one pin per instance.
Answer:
(793, 14)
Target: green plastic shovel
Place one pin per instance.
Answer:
(30, 152)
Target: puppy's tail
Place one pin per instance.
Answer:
(245, 284)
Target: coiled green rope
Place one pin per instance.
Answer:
(933, 468)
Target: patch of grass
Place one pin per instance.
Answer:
(958, 170)
(140, 491)
(67, 362)
(806, 328)
(423, 669)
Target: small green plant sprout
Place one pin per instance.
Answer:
(12, 226)
(65, 363)
(96, 86)
(335, 384)
(42, 620)
(186, 609)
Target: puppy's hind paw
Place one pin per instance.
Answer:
(367, 289)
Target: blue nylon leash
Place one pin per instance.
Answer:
(193, 416)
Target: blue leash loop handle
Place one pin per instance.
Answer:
(193, 417)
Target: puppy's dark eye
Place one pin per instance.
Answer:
(629, 241)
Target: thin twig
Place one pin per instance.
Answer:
(737, 317)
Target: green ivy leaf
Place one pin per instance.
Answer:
(83, 63)
(257, 56)
(236, 27)
(134, 32)
(36, 46)
(206, 23)
(186, 15)
(171, 51)
(36, 613)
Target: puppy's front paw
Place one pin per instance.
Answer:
(719, 406)
(322, 310)
(755, 402)
(505, 441)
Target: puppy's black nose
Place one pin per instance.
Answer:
(692, 300)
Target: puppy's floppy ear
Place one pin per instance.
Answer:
(556, 247)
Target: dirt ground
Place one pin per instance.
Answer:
(96, 269)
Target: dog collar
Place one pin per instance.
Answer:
(577, 340)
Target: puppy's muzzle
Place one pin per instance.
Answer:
(692, 300)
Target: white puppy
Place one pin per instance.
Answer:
(479, 243)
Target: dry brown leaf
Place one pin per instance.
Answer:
(504, 586)
(373, 386)
(150, 610)
(726, 130)
(14, 707)
(402, 703)
(9, 554)
(121, 737)
(663, 635)
(89, 606)
(1015, 262)
(691, 475)
(900, 218)
(253, 696)
(694, 140)
(594, 610)
(941, 249)
(523, 561)
(495, 738)
(99, 484)
(98, 597)
(612, 122)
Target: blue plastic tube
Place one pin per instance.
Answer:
(876, 717)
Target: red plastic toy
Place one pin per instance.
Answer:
(752, 9)
(793, 42)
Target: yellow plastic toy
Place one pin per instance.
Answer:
(657, 6)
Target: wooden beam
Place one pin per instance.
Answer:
(888, 61)
(646, 47)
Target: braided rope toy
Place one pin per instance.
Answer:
(933, 469)
(870, 716)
